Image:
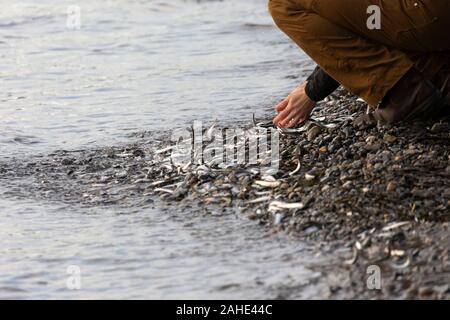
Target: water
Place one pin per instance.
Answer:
(135, 66)
(145, 254)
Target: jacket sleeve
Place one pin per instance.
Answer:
(320, 85)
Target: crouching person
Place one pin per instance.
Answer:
(401, 69)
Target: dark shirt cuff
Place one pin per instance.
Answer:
(320, 85)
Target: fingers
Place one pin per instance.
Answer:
(282, 115)
(285, 117)
(294, 110)
(296, 121)
(282, 105)
(291, 120)
(295, 117)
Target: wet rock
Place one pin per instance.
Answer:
(371, 139)
(391, 186)
(313, 133)
(389, 138)
(67, 161)
(138, 153)
(373, 147)
(323, 149)
(332, 147)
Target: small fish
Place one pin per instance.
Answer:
(299, 165)
(163, 190)
(269, 171)
(124, 155)
(184, 169)
(324, 125)
(268, 184)
(140, 181)
(210, 131)
(215, 160)
(267, 124)
(164, 150)
(358, 245)
(167, 166)
(331, 125)
(395, 225)
(261, 193)
(268, 178)
(354, 257)
(259, 200)
(279, 205)
(174, 185)
(253, 170)
(291, 131)
(318, 119)
(397, 253)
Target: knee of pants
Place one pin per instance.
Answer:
(283, 11)
(299, 23)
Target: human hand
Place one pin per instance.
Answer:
(295, 109)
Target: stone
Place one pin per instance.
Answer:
(389, 138)
(391, 186)
(323, 149)
(313, 133)
(371, 139)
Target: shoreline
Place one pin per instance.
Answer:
(370, 196)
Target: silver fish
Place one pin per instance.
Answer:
(279, 205)
(299, 165)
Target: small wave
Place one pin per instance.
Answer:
(252, 25)
(21, 139)
(24, 20)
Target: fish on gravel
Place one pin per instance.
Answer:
(259, 200)
(279, 205)
(268, 184)
(297, 169)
